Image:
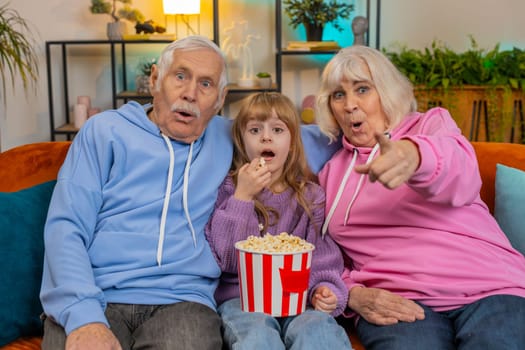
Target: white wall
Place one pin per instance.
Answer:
(414, 23)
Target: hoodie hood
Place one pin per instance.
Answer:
(137, 115)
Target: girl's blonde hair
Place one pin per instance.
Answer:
(296, 173)
(362, 63)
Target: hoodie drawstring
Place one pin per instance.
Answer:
(342, 187)
(185, 193)
(360, 183)
(162, 230)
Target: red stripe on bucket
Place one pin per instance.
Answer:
(249, 281)
(285, 307)
(267, 284)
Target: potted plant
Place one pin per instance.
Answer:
(264, 79)
(315, 14)
(116, 28)
(17, 55)
(481, 88)
(142, 79)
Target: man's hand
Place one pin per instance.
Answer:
(396, 164)
(92, 336)
(381, 307)
(324, 299)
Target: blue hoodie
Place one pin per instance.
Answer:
(113, 235)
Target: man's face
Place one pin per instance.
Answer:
(187, 96)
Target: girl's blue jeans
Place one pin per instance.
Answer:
(312, 329)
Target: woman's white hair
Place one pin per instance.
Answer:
(362, 63)
(192, 42)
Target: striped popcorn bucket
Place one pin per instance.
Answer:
(273, 283)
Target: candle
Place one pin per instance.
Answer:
(84, 100)
(80, 113)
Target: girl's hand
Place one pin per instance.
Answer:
(252, 178)
(324, 299)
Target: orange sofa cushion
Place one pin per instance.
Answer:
(28, 165)
(30, 343)
(490, 153)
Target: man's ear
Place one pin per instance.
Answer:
(220, 103)
(153, 77)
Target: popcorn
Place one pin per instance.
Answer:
(262, 163)
(282, 243)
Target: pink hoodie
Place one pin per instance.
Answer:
(432, 239)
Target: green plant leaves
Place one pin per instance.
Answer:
(17, 55)
(317, 12)
(439, 66)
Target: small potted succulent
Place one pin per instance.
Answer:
(264, 79)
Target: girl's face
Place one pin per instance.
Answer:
(357, 108)
(269, 139)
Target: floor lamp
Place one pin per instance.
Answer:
(183, 9)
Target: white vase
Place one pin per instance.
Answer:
(116, 30)
(265, 82)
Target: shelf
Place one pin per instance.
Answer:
(117, 57)
(285, 52)
(66, 129)
(117, 54)
(130, 94)
(234, 88)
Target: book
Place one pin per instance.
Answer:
(312, 45)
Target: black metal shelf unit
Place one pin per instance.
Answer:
(68, 129)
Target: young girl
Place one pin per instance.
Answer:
(273, 196)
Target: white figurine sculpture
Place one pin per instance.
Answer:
(237, 45)
(359, 28)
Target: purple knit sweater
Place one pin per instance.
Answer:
(234, 220)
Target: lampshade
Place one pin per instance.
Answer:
(181, 7)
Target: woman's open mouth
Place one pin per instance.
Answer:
(356, 126)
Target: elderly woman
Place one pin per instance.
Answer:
(427, 266)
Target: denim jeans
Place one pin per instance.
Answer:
(496, 322)
(256, 330)
(180, 326)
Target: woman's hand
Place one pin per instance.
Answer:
(381, 307)
(252, 178)
(397, 163)
(324, 300)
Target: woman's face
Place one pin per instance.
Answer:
(357, 108)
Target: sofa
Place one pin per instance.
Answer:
(23, 167)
